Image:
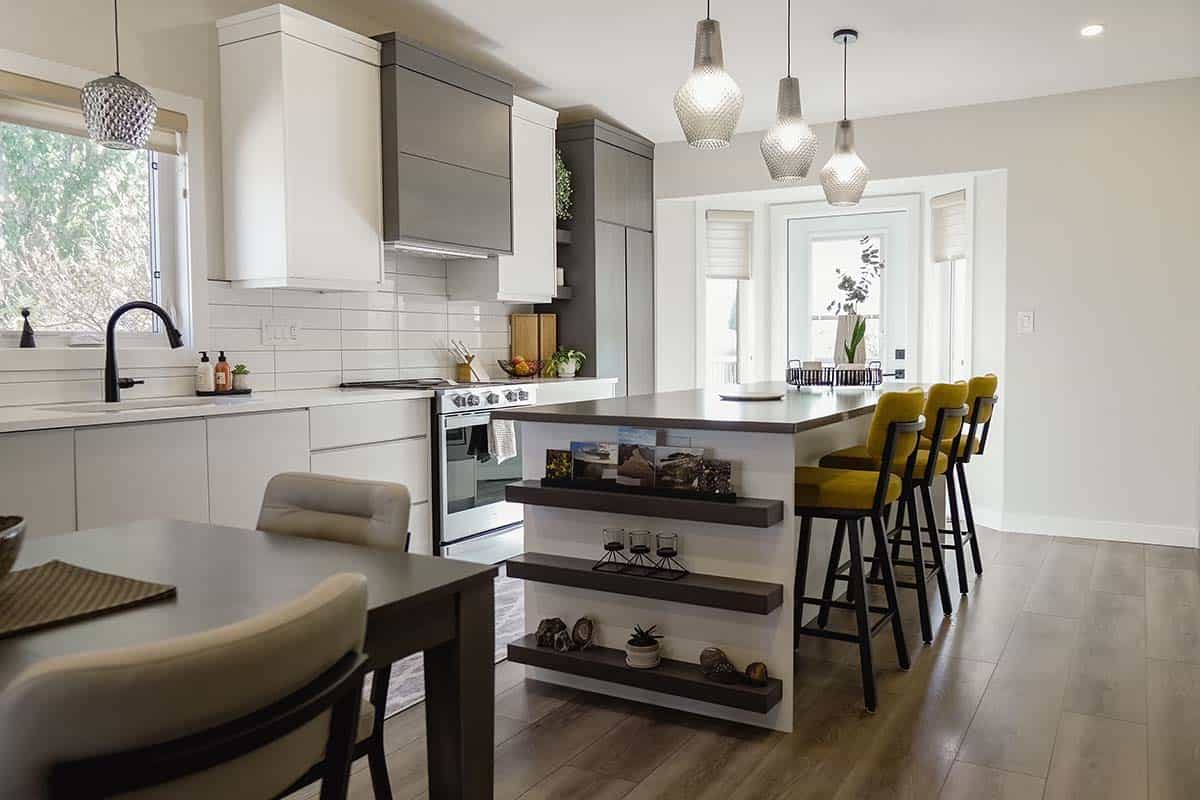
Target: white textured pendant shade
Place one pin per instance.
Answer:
(709, 104)
(789, 145)
(844, 177)
(118, 113)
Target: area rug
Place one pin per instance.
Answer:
(407, 685)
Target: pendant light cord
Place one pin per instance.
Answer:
(845, 49)
(708, 10)
(117, 37)
(789, 38)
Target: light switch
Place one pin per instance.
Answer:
(1025, 322)
(277, 332)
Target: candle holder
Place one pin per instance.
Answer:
(668, 567)
(614, 559)
(639, 550)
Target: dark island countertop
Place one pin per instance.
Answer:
(702, 409)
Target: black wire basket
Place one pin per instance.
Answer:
(826, 375)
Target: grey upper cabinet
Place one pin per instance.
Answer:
(624, 187)
(639, 309)
(639, 192)
(612, 333)
(447, 154)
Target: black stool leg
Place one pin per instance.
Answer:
(960, 559)
(798, 583)
(835, 560)
(376, 757)
(901, 507)
(887, 514)
(962, 483)
(935, 543)
(889, 587)
(860, 614)
(909, 499)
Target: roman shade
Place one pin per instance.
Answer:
(38, 103)
(950, 225)
(727, 234)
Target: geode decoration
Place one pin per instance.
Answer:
(756, 674)
(563, 642)
(582, 632)
(710, 656)
(716, 476)
(547, 629)
(717, 666)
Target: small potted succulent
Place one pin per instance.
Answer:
(567, 361)
(641, 651)
(241, 378)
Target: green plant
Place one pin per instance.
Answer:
(856, 288)
(565, 355)
(562, 187)
(644, 638)
(240, 369)
(856, 336)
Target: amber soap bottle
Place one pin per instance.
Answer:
(222, 374)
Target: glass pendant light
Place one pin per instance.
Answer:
(118, 113)
(844, 177)
(709, 103)
(789, 145)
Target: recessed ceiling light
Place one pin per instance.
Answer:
(1091, 30)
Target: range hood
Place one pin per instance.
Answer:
(447, 155)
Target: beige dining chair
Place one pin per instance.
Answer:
(367, 513)
(241, 711)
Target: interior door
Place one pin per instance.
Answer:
(639, 309)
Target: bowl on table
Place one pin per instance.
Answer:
(12, 533)
(535, 368)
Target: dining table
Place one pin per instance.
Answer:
(441, 607)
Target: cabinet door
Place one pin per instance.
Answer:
(149, 470)
(334, 167)
(445, 204)
(420, 525)
(639, 192)
(528, 274)
(611, 177)
(244, 453)
(639, 278)
(37, 480)
(611, 329)
(406, 461)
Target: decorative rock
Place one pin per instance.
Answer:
(717, 666)
(756, 674)
(547, 629)
(582, 632)
(710, 656)
(563, 642)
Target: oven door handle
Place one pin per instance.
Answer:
(456, 421)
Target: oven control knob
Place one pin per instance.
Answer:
(472, 400)
(459, 400)
(493, 398)
(510, 396)
(523, 395)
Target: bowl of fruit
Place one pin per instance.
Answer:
(521, 368)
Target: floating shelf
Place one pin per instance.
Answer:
(746, 511)
(672, 677)
(712, 591)
(562, 236)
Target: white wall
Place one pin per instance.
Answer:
(675, 311)
(1100, 434)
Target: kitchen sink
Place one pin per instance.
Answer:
(131, 405)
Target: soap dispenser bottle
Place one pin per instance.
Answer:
(222, 374)
(205, 376)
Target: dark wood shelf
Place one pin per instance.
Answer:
(712, 591)
(562, 236)
(678, 678)
(750, 512)
(563, 293)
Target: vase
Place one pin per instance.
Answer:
(566, 369)
(241, 383)
(845, 330)
(642, 657)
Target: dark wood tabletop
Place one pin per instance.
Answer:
(222, 575)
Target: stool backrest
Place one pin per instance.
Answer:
(981, 386)
(180, 718)
(370, 513)
(945, 399)
(894, 407)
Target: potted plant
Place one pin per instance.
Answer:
(562, 188)
(241, 378)
(567, 361)
(854, 288)
(641, 651)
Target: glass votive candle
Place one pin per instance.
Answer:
(614, 539)
(667, 545)
(639, 542)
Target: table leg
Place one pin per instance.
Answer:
(460, 702)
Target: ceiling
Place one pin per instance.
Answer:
(624, 59)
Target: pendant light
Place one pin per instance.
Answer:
(709, 103)
(844, 177)
(789, 145)
(118, 113)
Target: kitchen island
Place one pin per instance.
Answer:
(741, 556)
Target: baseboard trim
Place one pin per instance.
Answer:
(1105, 530)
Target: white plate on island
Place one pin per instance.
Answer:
(751, 396)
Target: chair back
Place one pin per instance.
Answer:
(978, 388)
(371, 513)
(184, 718)
(945, 403)
(894, 407)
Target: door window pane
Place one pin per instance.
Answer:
(839, 274)
(721, 331)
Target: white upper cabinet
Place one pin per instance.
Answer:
(527, 276)
(301, 152)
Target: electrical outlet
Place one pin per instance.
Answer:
(899, 354)
(899, 374)
(277, 332)
(1025, 322)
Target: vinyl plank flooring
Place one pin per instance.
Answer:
(973, 782)
(985, 617)
(1038, 655)
(1057, 589)
(1020, 550)
(637, 745)
(1164, 557)
(1098, 758)
(1172, 607)
(1120, 568)
(407, 770)
(1174, 719)
(1108, 670)
(711, 765)
(578, 784)
(531, 700)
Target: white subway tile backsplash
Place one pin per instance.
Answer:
(239, 316)
(409, 264)
(419, 284)
(371, 340)
(368, 320)
(422, 322)
(286, 381)
(297, 298)
(417, 303)
(370, 359)
(308, 360)
(224, 294)
(480, 322)
(349, 375)
(314, 340)
(326, 319)
(478, 307)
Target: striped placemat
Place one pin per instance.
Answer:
(57, 592)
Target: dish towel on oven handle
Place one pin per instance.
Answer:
(502, 439)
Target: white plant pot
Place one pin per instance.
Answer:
(642, 657)
(567, 369)
(241, 382)
(845, 330)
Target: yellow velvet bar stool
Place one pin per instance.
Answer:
(851, 497)
(981, 399)
(943, 409)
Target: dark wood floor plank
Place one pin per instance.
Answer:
(1174, 719)
(578, 784)
(973, 782)
(711, 765)
(637, 745)
(1098, 758)
(531, 700)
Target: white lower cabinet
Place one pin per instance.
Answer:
(37, 480)
(150, 470)
(406, 461)
(244, 453)
(420, 525)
